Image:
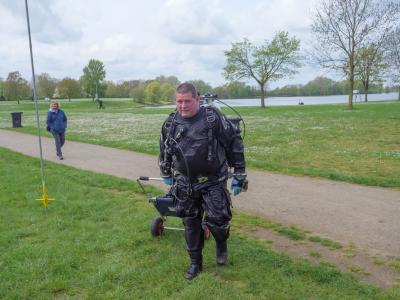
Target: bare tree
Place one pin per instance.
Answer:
(269, 62)
(342, 27)
(393, 56)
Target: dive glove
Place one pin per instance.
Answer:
(167, 180)
(239, 183)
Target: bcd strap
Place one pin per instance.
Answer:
(210, 117)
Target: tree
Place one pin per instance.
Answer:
(2, 85)
(202, 87)
(369, 67)
(268, 62)
(137, 93)
(152, 92)
(45, 85)
(319, 86)
(237, 90)
(69, 88)
(93, 73)
(393, 56)
(167, 92)
(342, 27)
(16, 87)
(129, 85)
(172, 80)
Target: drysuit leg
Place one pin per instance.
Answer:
(194, 237)
(217, 216)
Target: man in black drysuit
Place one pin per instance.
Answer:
(197, 146)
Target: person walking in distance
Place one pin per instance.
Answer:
(56, 123)
(197, 146)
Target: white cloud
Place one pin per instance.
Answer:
(195, 22)
(143, 39)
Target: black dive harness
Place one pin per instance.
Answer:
(172, 145)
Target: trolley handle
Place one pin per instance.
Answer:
(147, 178)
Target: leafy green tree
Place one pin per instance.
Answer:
(137, 93)
(152, 92)
(93, 74)
(172, 80)
(237, 90)
(269, 62)
(319, 86)
(221, 91)
(69, 88)
(113, 90)
(202, 87)
(128, 85)
(343, 27)
(46, 85)
(16, 87)
(167, 92)
(369, 67)
(2, 85)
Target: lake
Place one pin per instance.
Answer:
(309, 100)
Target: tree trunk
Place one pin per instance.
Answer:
(351, 83)
(262, 95)
(366, 93)
(366, 87)
(351, 86)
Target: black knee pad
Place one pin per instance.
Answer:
(220, 233)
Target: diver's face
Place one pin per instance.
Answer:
(187, 105)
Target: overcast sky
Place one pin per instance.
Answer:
(144, 39)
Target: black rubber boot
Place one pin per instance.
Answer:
(221, 234)
(221, 252)
(196, 265)
(193, 271)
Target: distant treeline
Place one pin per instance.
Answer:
(162, 89)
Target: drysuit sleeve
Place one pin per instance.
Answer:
(165, 158)
(229, 136)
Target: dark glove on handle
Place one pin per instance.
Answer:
(239, 184)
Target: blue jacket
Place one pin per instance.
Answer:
(56, 121)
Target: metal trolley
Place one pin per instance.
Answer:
(165, 205)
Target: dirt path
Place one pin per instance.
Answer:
(347, 213)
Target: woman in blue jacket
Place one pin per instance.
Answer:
(56, 123)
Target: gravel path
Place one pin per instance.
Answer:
(366, 216)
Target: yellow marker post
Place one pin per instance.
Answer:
(45, 197)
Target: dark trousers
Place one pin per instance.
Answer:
(59, 138)
(211, 200)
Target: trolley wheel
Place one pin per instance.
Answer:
(157, 226)
(207, 233)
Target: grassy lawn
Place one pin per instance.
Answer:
(94, 243)
(329, 141)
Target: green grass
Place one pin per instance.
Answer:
(248, 223)
(329, 141)
(94, 243)
(315, 254)
(325, 242)
(395, 264)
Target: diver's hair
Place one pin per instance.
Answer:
(185, 88)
